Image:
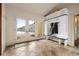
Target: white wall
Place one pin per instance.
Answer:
(74, 9)
(3, 28)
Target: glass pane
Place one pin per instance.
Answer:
(31, 22)
(31, 26)
(21, 26)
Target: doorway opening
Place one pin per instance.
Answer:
(77, 30)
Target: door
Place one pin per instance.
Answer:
(77, 30)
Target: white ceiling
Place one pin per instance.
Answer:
(35, 8)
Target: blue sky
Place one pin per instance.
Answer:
(22, 22)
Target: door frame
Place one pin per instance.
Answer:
(76, 41)
(0, 28)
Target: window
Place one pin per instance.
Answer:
(21, 23)
(25, 26)
(31, 22)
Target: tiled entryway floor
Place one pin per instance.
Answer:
(41, 48)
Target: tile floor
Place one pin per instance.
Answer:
(41, 48)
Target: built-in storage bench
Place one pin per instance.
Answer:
(59, 40)
(58, 21)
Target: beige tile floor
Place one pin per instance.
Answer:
(41, 48)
